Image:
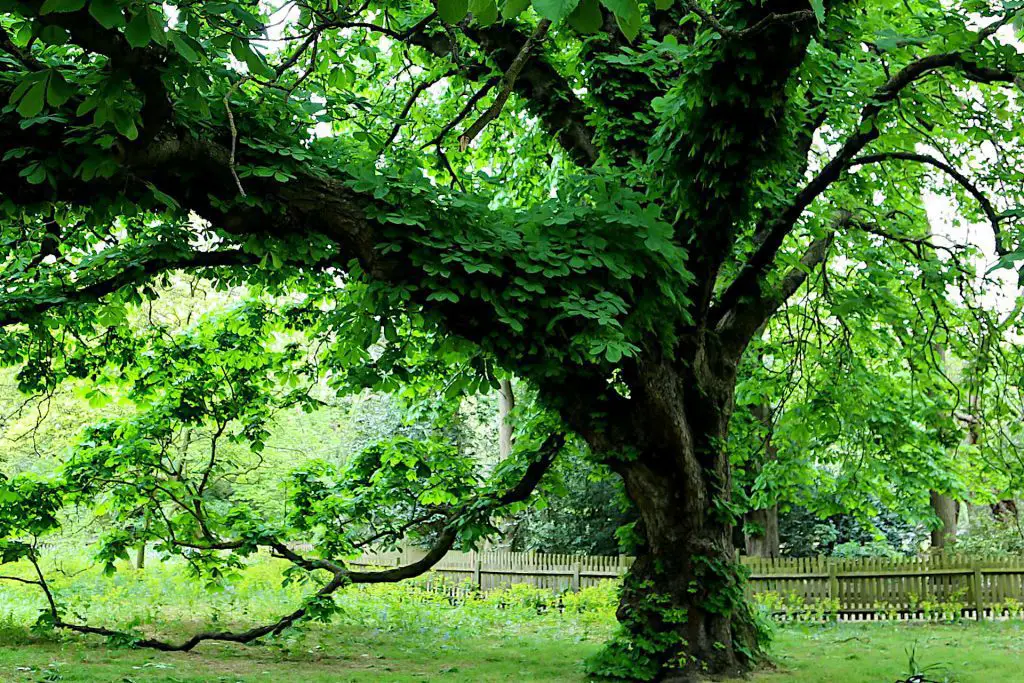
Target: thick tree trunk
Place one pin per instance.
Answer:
(946, 509)
(682, 605)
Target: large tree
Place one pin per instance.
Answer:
(608, 199)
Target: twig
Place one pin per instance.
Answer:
(508, 81)
(234, 133)
(416, 92)
(773, 18)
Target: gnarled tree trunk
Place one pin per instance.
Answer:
(682, 603)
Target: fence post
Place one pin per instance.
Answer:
(976, 590)
(833, 582)
(477, 581)
(576, 569)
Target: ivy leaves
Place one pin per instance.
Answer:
(584, 16)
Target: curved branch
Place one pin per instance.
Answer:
(775, 231)
(963, 180)
(341, 575)
(508, 82)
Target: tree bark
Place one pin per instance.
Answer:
(766, 543)
(682, 604)
(140, 556)
(946, 509)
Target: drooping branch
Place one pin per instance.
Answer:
(963, 180)
(341, 575)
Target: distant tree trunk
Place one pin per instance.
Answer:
(945, 507)
(1005, 511)
(947, 510)
(140, 556)
(506, 402)
(764, 542)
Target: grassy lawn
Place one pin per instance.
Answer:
(870, 653)
(344, 654)
(402, 633)
(879, 653)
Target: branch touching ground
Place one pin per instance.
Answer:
(340, 574)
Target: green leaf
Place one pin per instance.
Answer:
(54, 6)
(627, 16)
(186, 46)
(587, 17)
(244, 53)
(485, 12)
(137, 33)
(125, 125)
(157, 29)
(555, 10)
(510, 9)
(663, 4)
(452, 11)
(54, 35)
(819, 10)
(107, 12)
(58, 91)
(629, 25)
(33, 100)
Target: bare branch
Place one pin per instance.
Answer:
(508, 82)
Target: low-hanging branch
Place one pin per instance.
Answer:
(340, 574)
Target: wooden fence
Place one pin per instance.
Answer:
(936, 586)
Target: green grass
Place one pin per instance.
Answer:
(398, 633)
(344, 654)
(870, 653)
(879, 653)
